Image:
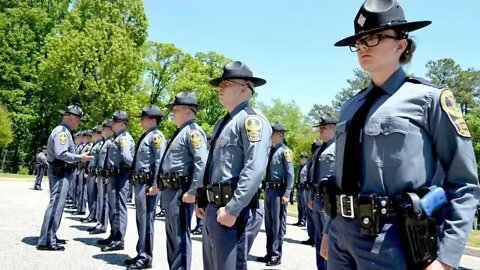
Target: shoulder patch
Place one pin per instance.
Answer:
(288, 155)
(62, 137)
(254, 126)
(157, 141)
(123, 141)
(196, 139)
(449, 106)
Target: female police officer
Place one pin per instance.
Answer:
(389, 138)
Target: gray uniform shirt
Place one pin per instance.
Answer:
(281, 167)
(187, 154)
(120, 152)
(149, 153)
(41, 159)
(241, 152)
(408, 129)
(95, 152)
(102, 155)
(60, 145)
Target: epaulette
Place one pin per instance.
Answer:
(419, 80)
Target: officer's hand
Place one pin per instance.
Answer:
(310, 205)
(224, 218)
(285, 200)
(324, 247)
(200, 212)
(84, 157)
(188, 198)
(152, 191)
(437, 265)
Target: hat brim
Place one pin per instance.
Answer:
(255, 80)
(171, 105)
(409, 27)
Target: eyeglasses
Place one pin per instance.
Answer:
(227, 83)
(370, 41)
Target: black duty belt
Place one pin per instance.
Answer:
(221, 193)
(112, 171)
(142, 177)
(174, 181)
(349, 206)
(303, 185)
(275, 184)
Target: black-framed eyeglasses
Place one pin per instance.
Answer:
(370, 41)
(227, 83)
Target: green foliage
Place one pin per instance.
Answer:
(360, 80)
(317, 111)
(6, 135)
(300, 135)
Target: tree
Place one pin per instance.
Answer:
(6, 135)
(317, 111)
(360, 80)
(300, 135)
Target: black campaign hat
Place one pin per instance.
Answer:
(72, 109)
(107, 123)
(120, 116)
(151, 111)
(98, 128)
(276, 127)
(238, 70)
(87, 132)
(44, 147)
(185, 98)
(326, 119)
(378, 15)
(304, 154)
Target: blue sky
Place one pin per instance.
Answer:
(290, 43)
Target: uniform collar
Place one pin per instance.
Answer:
(108, 138)
(239, 107)
(186, 123)
(66, 126)
(150, 129)
(121, 132)
(391, 85)
(277, 146)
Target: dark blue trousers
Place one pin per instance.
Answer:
(178, 216)
(302, 202)
(309, 215)
(118, 188)
(348, 249)
(253, 226)
(224, 248)
(275, 222)
(102, 204)
(145, 216)
(81, 195)
(92, 195)
(39, 177)
(319, 218)
(53, 213)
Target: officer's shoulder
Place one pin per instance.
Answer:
(252, 113)
(422, 82)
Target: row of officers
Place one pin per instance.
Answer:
(395, 179)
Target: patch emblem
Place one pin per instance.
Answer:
(196, 139)
(123, 142)
(253, 125)
(157, 141)
(361, 20)
(449, 105)
(62, 137)
(288, 155)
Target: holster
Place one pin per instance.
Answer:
(328, 191)
(420, 233)
(201, 197)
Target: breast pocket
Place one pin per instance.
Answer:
(386, 139)
(229, 147)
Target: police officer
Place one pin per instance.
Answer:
(389, 139)
(148, 153)
(180, 176)
(42, 165)
(301, 185)
(104, 214)
(234, 171)
(120, 159)
(322, 167)
(316, 144)
(278, 183)
(72, 192)
(61, 157)
(82, 174)
(97, 142)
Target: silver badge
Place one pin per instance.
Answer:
(222, 142)
(373, 129)
(361, 20)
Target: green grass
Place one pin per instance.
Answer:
(474, 239)
(15, 177)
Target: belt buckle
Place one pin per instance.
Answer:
(349, 199)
